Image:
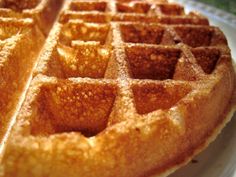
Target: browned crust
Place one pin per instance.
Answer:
(226, 118)
(133, 143)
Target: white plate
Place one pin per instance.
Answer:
(219, 159)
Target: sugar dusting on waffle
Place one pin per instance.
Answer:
(121, 88)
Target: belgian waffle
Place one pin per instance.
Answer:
(20, 42)
(43, 12)
(122, 88)
(23, 27)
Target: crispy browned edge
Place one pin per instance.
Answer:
(226, 117)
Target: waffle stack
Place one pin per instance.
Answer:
(122, 88)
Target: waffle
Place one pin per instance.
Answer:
(20, 43)
(122, 88)
(43, 12)
(23, 27)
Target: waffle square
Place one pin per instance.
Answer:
(43, 12)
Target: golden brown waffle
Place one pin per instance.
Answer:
(23, 25)
(123, 89)
(20, 43)
(157, 11)
(43, 12)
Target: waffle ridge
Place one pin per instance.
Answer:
(119, 90)
(43, 12)
(22, 34)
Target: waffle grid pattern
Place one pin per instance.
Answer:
(114, 75)
(142, 11)
(141, 59)
(24, 25)
(43, 12)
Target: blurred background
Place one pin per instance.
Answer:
(226, 5)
